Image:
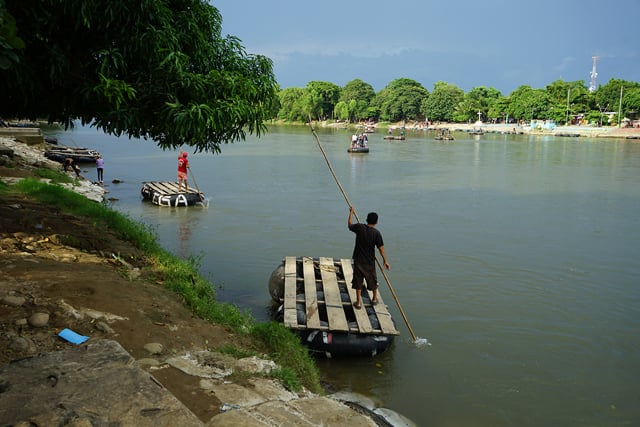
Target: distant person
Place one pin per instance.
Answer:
(364, 256)
(100, 168)
(69, 164)
(183, 165)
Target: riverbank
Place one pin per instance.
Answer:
(568, 131)
(59, 271)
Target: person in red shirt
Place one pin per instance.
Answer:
(183, 165)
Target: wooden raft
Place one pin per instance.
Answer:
(168, 188)
(332, 278)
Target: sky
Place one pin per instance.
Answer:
(493, 43)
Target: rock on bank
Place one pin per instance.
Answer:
(101, 384)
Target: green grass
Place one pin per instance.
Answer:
(297, 368)
(54, 175)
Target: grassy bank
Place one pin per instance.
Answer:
(297, 368)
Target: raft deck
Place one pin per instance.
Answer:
(169, 188)
(165, 193)
(330, 278)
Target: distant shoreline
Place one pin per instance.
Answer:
(570, 131)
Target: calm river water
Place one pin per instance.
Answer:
(517, 257)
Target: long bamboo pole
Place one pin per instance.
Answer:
(386, 278)
(196, 184)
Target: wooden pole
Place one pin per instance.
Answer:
(393, 293)
(196, 184)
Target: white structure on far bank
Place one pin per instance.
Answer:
(592, 84)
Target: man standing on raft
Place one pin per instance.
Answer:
(183, 165)
(364, 256)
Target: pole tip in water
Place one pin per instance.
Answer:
(421, 342)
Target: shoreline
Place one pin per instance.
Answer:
(572, 131)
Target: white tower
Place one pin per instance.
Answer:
(592, 85)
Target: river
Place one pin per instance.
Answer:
(515, 256)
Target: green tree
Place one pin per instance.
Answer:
(291, 104)
(149, 69)
(342, 110)
(609, 94)
(9, 40)
(358, 95)
(526, 103)
(442, 102)
(631, 100)
(499, 109)
(567, 98)
(464, 111)
(321, 99)
(400, 100)
(477, 100)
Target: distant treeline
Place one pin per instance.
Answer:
(406, 99)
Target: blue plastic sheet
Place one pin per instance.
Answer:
(72, 337)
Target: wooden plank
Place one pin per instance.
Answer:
(166, 188)
(169, 187)
(311, 293)
(159, 187)
(384, 317)
(364, 325)
(335, 312)
(382, 313)
(290, 314)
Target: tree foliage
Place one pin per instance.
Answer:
(321, 99)
(290, 104)
(156, 69)
(441, 104)
(400, 100)
(357, 95)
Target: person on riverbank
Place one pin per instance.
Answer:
(69, 164)
(364, 257)
(183, 165)
(100, 168)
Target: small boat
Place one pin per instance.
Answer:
(444, 136)
(316, 302)
(358, 149)
(394, 137)
(167, 194)
(358, 144)
(476, 132)
(79, 155)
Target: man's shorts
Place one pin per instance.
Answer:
(182, 175)
(366, 272)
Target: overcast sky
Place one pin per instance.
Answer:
(495, 43)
